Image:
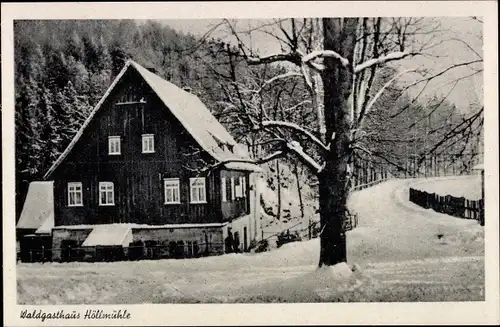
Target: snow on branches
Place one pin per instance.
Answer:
(310, 57)
(298, 129)
(383, 59)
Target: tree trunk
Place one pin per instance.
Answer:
(299, 192)
(278, 179)
(340, 36)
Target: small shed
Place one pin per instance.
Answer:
(37, 216)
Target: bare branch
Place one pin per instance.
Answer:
(456, 130)
(442, 72)
(477, 19)
(325, 53)
(307, 78)
(304, 157)
(362, 148)
(369, 106)
(296, 128)
(301, 103)
(468, 46)
(278, 77)
(290, 57)
(270, 157)
(383, 59)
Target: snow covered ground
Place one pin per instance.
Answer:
(401, 252)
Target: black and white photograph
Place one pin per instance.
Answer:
(272, 159)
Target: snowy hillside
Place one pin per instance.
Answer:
(400, 252)
(290, 216)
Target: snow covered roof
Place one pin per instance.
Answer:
(235, 165)
(38, 209)
(143, 226)
(46, 227)
(193, 115)
(109, 235)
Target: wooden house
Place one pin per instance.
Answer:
(153, 161)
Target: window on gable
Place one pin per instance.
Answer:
(106, 194)
(75, 195)
(148, 143)
(172, 193)
(114, 145)
(223, 189)
(198, 190)
(132, 94)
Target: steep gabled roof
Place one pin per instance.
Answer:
(193, 115)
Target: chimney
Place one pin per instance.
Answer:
(187, 89)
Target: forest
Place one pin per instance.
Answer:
(62, 68)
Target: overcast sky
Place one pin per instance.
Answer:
(465, 93)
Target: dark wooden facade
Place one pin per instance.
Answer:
(138, 177)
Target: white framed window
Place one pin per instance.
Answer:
(223, 190)
(75, 194)
(172, 192)
(148, 143)
(197, 187)
(114, 145)
(237, 189)
(106, 194)
(243, 183)
(233, 191)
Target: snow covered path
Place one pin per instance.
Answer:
(393, 229)
(405, 253)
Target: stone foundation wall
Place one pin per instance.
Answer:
(61, 235)
(209, 240)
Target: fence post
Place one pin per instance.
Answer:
(481, 212)
(476, 210)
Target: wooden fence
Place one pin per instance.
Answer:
(312, 230)
(370, 184)
(454, 206)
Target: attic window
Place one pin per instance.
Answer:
(132, 94)
(131, 100)
(114, 145)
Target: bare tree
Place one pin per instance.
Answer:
(338, 60)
